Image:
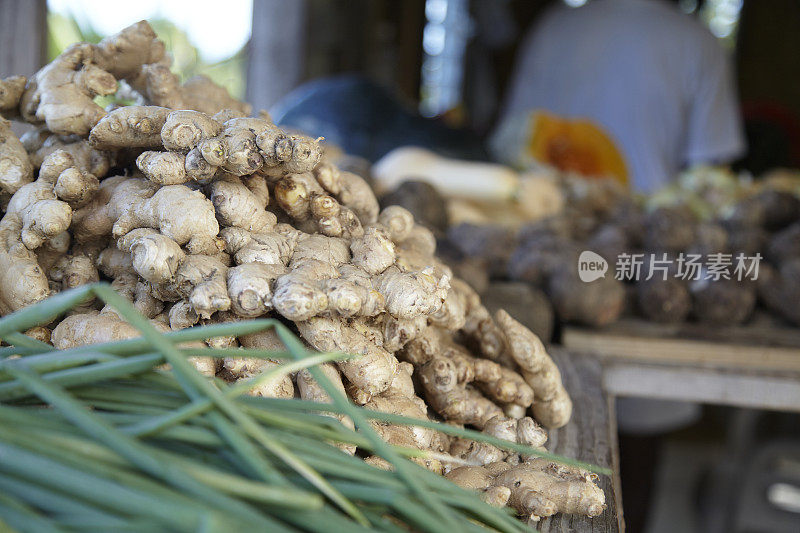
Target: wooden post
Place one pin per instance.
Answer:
(23, 36)
(276, 62)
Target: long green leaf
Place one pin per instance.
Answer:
(194, 380)
(134, 451)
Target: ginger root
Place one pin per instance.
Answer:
(537, 488)
(552, 405)
(16, 169)
(61, 94)
(11, 90)
(215, 216)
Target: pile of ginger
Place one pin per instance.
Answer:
(199, 213)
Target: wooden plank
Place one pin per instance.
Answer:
(590, 436)
(762, 330)
(683, 351)
(23, 36)
(276, 54)
(615, 465)
(754, 390)
(410, 25)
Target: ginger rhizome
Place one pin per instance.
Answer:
(214, 216)
(535, 488)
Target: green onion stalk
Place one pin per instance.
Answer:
(107, 438)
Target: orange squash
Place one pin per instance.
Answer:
(578, 146)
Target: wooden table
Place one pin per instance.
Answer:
(590, 436)
(755, 366)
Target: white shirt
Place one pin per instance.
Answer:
(652, 77)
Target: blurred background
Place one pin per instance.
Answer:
(451, 59)
(698, 105)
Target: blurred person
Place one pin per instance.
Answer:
(634, 89)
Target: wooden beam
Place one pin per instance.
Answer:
(762, 330)
(23, 36)
(276, 58)
(683, 351)
(755, 390)
(590, 436)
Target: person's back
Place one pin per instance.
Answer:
(650, 76)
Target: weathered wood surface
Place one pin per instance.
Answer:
(590, 436)
(752, 389)
(745, 348)
(762, 330)
(23, 35)
(755, 366)
(276, 54)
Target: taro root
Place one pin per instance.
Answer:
(669, 229)
(423, 200)
(525, 303)
(536, 260)
(710, 238)
(494, 244)
(780, 209)
(769, 209)
(555, 226)
(785, 245)
(664, 300)
(596, 303)
(747, 213)
(747, 241)
(779, 289)
(631, 219)
(609, 241)
(722, 302)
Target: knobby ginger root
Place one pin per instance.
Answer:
(163, 168)
(154, 256)
(309, 389)
(40, 333)
(286, 153)
(479, 326)
(72, 271)
(15, 167)
(247, 367)
(538, 487)
(22, 281)
(307, 386)
(183, 215)
(522, 430)
(250, 288)
(183, 130)
(237, 206)
(216, 216)
(40, 143)
(11, 90)
(61, 94)
(200, 147)
(452, 398)
(130, 127)
(91, 328)
(159, 85)
(552, 406)
(371, 373)
(43, 209)
(116, 196)
(400, 398)
(200, 279)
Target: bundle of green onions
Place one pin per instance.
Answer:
(104, 438)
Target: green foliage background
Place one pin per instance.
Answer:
(230, 73)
